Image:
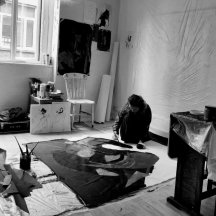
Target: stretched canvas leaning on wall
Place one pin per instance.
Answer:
(45, 118)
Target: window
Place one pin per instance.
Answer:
(19, 30)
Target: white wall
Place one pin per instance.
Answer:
(14, 83)
(14, 78)
(100, 60)
(171, 61)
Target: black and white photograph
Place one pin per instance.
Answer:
(107, 108)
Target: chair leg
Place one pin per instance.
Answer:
(92, 115)
(80, 110)
(72, 115)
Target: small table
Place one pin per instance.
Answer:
(39, 100)
(190, 140)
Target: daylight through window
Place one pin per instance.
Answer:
(19, 30)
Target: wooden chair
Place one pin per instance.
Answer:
(75, 88)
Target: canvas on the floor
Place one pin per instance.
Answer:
(95, 173)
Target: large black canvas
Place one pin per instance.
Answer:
(96, 174)
(74, 54)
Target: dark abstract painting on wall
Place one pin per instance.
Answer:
(74, 53)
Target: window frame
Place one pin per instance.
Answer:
(36, 41)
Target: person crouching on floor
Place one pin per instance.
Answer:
(133, 121)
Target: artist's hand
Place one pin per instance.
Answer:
(115, 136)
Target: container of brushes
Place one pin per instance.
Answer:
(25, 157)
(25, 161)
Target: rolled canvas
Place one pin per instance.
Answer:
(112, 73)
(101, 106)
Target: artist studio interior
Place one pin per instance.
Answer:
(107, 107)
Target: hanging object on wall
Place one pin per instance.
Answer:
(104, 39)
(103, 15)
(104, 18)
(95, 32)
(101, 31)
(74, 53)
(129, 41)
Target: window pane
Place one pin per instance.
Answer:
(20, 29)
(24, 43)
(27, 29)
(29, 33)
(5, 33)
(6, 26)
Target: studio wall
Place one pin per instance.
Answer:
(100, 60)
(167, 55)
(14, 77)
(14, 83)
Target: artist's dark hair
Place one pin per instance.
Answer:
(136, 100)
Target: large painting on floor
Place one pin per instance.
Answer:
(93, 170)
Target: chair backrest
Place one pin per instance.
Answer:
(75, 85)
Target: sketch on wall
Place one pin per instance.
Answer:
(130, 40)
(45, 118)
(101, 29)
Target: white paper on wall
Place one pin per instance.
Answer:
(45, 118)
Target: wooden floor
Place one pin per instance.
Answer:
(149, 202)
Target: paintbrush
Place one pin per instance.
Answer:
(19, 147)
(33, 148)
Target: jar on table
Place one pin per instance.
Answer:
(42, 90)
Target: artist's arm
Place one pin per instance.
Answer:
(118, 121)
(146, 125)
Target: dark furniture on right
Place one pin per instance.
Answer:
(189, 142)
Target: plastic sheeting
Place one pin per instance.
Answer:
(50, 197)
(172, 62)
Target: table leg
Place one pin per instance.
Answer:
(189, 180)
